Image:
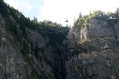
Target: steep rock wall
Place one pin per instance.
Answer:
(28, 57)
(93, 51)
(12, 65)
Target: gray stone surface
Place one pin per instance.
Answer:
(11, 61)
(93, 51)
(18, 59)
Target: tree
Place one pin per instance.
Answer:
(116, 13)
(3, 8)
(90, 13)
(35, 20)
(110, 15)
(80, 15)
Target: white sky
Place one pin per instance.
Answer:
(59, 10)
(22, 5)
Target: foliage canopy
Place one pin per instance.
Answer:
(81, 21)
(53, 30)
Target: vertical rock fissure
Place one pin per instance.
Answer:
(60, 70)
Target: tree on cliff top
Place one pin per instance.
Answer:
(84, 20)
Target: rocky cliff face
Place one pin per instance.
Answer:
(93, 51)
(12, 65)
(90, 51)
(30, 57)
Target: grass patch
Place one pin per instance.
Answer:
(82, 41)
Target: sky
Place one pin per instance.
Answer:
(59, 10)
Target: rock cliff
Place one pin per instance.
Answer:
(31, 56)
(93, 51)
(31, 50)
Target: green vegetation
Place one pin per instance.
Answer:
(111, 18)
(56, 32)
(3, 8)
(81, 41)
(53, 30)
(17, 24)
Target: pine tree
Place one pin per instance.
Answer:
(80, 15)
